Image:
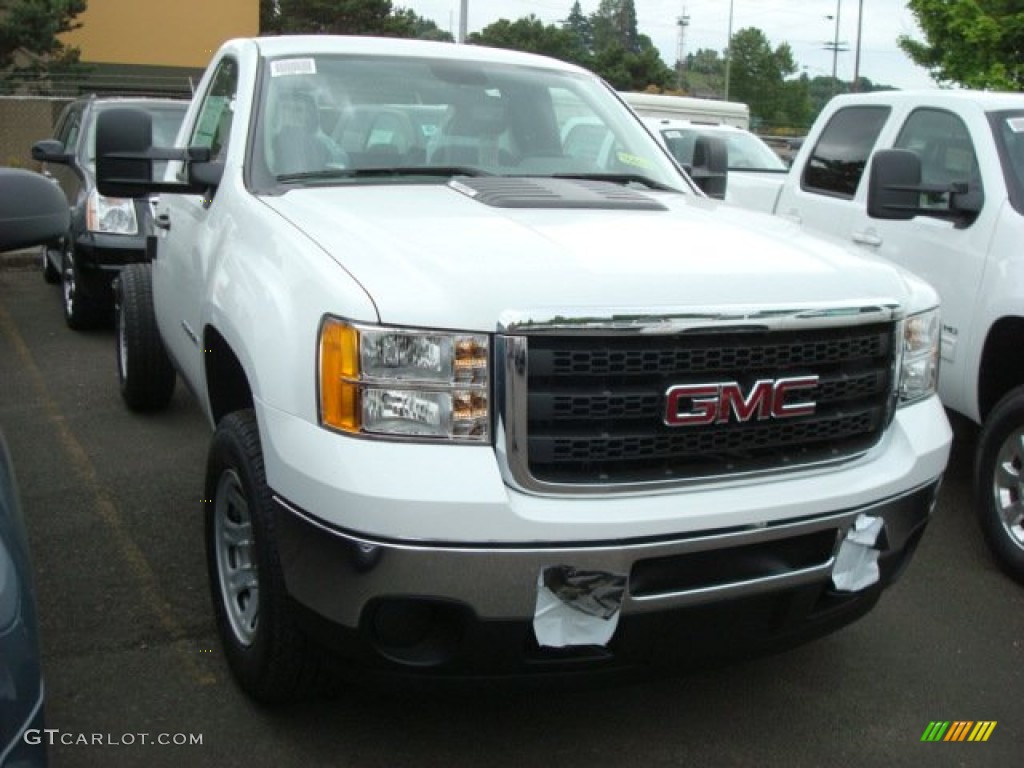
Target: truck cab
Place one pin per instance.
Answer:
(932, 181)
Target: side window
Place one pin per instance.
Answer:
(69, 128)
(944, 145)
(837, 163)
(213, 126)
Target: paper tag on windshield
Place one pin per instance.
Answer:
(283, 67)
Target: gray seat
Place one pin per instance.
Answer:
(297, 146)
(471, 135)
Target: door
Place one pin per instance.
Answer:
(949, 255)
(823, 199)
(186, 228)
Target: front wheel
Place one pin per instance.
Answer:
(999, 482)
(80, 311)
(144, 370)
(269, 656)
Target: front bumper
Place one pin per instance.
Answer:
(469, 609)
(101, 257)
(112, 253)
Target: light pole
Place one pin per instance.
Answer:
(728, 53)
(463, 21)
(856, 56)
(834, 46)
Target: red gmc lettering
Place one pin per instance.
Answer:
(696, 404)
(779, 408)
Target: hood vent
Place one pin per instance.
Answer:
(540, 192)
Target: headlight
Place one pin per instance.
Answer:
(919, 370)
(111, 215)
(403, 382)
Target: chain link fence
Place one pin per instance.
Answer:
(25, 120)
(31, 102)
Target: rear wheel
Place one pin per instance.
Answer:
(144, 371)
(999, 482)
(80, 311)
(270, 657)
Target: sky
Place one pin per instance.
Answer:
(804, 24)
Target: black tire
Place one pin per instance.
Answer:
(144, 371)
(50, 273)
(999, 482)
(270, 657)
(80, 311)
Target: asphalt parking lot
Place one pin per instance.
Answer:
(112, 503)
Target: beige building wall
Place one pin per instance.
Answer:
(175, 33)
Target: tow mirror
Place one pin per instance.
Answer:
(895, 191)
(710, 167)
(33, 210)
(125, 155)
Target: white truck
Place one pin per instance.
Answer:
(486, 401)
(708, 111)
(933, 180)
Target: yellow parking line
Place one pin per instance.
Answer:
(104, 505)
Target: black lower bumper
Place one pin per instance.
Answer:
(412, 630)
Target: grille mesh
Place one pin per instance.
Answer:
(596, 406)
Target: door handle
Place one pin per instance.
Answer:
(867, 238)
(163, 221)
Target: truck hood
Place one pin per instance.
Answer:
(431, 255)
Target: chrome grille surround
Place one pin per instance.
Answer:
(784, 332)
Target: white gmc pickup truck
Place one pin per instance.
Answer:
(490, 399)
(934, 181)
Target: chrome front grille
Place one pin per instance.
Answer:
(587, 410)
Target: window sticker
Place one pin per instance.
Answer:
(1016, 124)
(637, 162)
(283, 67)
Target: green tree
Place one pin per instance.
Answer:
(528, 34)
(579, 26)
(614, 23)
(973, 43)
(425, 29)
(33, 27)
(339, 17)
(269, 17)
(758, 77)
(706, 61)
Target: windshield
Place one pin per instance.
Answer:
(339, 119)
(746, 152)
(1008, 128)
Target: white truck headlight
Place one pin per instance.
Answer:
(919, 370)
(111, 215)
(404, 382)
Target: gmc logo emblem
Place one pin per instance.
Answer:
(689, 405)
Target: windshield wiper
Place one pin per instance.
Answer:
(617, 178)
(363, 173)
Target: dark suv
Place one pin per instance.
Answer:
(106, 233)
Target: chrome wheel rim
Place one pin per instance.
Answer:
(68, 281)
(1008, 486)
(236, 566)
